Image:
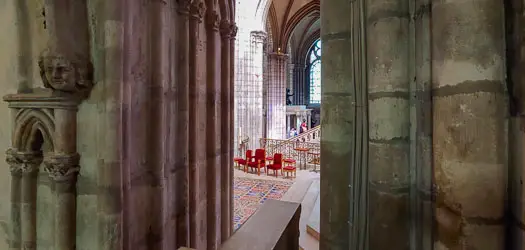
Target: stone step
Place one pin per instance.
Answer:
(312, 227)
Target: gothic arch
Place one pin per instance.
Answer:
(309, 8)
(30, 121)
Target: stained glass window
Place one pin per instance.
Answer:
(315, 73)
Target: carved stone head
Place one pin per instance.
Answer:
(71, 75)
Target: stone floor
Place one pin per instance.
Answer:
(305, 189)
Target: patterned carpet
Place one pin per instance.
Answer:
(249, 194)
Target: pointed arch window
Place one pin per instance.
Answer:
(314, 62)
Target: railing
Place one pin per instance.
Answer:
(287, 148)
(308, 136)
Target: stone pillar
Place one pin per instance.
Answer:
(30, 163)
(299, 84)
(182, 129)
(227, 118)
(63, 170)
(214, 122)
(234, 29)
(344, 177)
(15, 236)
(255, 90)
(389, 130)
(197, 224)
(276, 105)
(469, 124)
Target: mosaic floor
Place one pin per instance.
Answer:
(249, 194)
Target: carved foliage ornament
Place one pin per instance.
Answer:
(23, 163)
(225, 28)
(213, 20)
(73, 75)
(228, 30)
(62, 167)
(184, 6)
(197, 9)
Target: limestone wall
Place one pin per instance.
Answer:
(8, 83)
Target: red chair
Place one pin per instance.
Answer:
(276, 165)
(244, 162)
(259, 161)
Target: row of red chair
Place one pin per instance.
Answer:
(259, 160)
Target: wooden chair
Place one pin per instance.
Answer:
(289, 168)
(259, 161)
(248, 159)
(276, 165)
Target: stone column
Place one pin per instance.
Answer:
(276, 105)
(469, 124)
(214, 120)
(197, 10)
(14, 163)
(63, 170)
(344, 177)
(234, 29)
(30, 163)
(255, 90)
(226, 123)
(182, 129)
(389, 131)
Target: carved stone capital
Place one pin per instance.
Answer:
(66, 74)
(213, 20)
(197, 9)
(62, 167)
(279, 56)
(225, 28)
(234, 30)
(23, 162)
(184, 7)
(258, 36)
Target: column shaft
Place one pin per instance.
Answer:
(389, 147)
(227, 117)
(344, 177)
(15, 237)
(182, 129)
(30, 162)
(214, 121)
(469, 124)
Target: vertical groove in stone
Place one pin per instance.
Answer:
(157, 134)
(24, 64)
(182, 129)
(344, 144)
(421, 93)
(469, 125)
